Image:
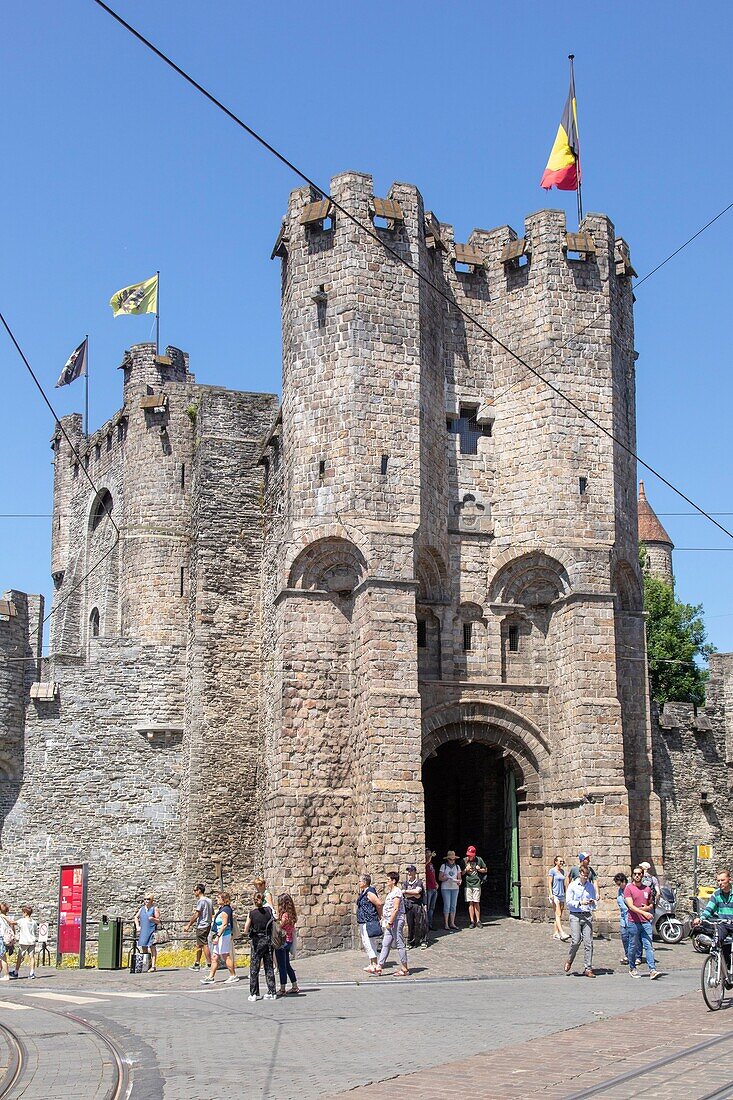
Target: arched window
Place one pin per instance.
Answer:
(102, 508)
(94, 623)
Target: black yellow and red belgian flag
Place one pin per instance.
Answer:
(563, 167)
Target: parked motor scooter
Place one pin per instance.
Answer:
(667, 926)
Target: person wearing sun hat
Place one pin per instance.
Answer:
(474, 873)
(450, 883)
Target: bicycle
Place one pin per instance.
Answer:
(716, 970)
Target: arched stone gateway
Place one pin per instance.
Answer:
(483, 772)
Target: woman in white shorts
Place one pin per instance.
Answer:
(222, 946)
(368, 913)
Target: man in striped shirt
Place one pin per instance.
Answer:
(720, 907)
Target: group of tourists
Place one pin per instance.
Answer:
(19, 938)
(577, 890)
(270, 926)
(404, 917)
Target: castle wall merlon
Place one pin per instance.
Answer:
(141, 366)
(73, 426)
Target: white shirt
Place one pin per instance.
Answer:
(27, 931)
(393, 900)
(451, 872)
(581, 897)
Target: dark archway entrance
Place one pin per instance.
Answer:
(470, 799)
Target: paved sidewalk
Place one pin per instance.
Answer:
(585, 1059)
(504, 948)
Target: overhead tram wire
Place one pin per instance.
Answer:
(370, 232)
(87, 475)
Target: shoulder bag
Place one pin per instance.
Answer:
(160, 936)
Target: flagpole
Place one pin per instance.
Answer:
(86, 388)
(579, 192)
(157, 314)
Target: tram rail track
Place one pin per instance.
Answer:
(18, 1064)
(637, 1074)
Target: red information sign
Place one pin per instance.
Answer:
(71, 908)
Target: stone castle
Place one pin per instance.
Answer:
(404, 604)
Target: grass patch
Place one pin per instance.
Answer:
(170, 957)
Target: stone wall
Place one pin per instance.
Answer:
(21, 638)
(693, 758)
(221, 821)
(102, 779)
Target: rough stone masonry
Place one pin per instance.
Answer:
(402, 606)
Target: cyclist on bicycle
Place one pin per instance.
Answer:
(720, 908)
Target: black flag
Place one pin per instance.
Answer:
(75, 366)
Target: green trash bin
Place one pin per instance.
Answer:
(109, 950)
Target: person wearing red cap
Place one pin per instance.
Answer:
(474, 874)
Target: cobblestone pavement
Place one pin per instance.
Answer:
(184, 1041)
(673, 1050)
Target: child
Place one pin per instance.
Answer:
(27, 930)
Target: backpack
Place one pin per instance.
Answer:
(8, 933)
(275, 932)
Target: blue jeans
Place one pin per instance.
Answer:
(640, 936)
(623, 924)
(282, 954)
(432, 899)
(450, 901)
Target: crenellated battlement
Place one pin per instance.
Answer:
(313, 219)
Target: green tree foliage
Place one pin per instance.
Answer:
(676, 637)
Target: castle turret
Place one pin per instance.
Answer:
(158, 452)
(346, 744)
(655, 540)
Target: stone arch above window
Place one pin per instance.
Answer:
(328, 565)
(627, 588)
(532, 580)
(101, 507)
(94, 623)
(431, 576)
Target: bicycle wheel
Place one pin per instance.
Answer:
(713, 981)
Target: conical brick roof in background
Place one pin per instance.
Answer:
(650, 529)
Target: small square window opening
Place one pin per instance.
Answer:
(582, 485)
(384, 463)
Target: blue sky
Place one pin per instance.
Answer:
(114, 168)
